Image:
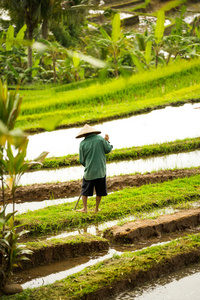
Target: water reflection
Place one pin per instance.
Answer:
(43, 275)
(63, 274)
(4, 15)
(180, 285)
(93, 229)
(158, 126)
(34, 205)
(181, 160)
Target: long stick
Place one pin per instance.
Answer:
(77, 201)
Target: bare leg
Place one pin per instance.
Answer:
(98, 200)
(84, 209)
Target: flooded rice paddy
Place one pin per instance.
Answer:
(73, 266)
(48, 274)
(158, 126)
(180, 285)
(146, 21)
(181, 160)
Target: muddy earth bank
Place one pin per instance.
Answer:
(39, 192)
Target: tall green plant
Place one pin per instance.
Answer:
(16, 166)
(11, 253)
(10, 104)
(142, 55)
(114, 43)
(184, 39)
(159, 32)
(12, 62)
(4, 245)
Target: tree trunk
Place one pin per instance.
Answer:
(30, 51)
(30, 28)
(45, 28)
(30, 59)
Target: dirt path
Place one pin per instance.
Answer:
(39, 192)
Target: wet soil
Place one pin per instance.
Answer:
(145, 229)
(53, 253)
(134, 233)
(177, 262)
(137, 234)
(39, 192)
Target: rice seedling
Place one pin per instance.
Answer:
(113, 99)
(119, 204)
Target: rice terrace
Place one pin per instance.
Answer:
(130, 70)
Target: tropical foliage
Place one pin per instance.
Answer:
(125, 52)
(11, 252)
(49, 41)
(12, 166)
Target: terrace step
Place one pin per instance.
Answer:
(145, 229)
(62, 249)
(38, 192)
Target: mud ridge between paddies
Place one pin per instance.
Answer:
(152, 231)
(39, 192)
(120, 272)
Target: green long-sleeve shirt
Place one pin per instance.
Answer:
(92, 152)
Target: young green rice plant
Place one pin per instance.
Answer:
(116, 205)
(127, 153)
(141, 7)
(118, 98)
(110, 89)
(171, 5)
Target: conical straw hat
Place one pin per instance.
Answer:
(86, 130)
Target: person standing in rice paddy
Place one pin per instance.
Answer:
(92, 152)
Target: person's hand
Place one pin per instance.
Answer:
(106, 137)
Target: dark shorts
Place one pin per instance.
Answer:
(99, 184)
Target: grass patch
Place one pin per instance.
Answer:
(109, 272)
(117, 205)
(71, 240)
(171, 5)
(141, 7)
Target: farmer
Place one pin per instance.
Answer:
(92, 152)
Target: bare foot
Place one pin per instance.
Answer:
(82, 210)
(97, 210)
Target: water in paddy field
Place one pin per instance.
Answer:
(68, 269)
(47, 274)
(180, 285)
(158, 126)
(172, 161)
